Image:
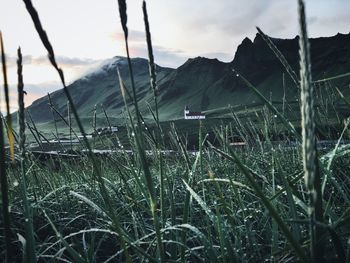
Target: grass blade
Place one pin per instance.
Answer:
(280, 57)
(289, 126)
(206, 209)
(152, 67)
(284, 228)
(310, 161)
(75, 255)
(137, 131)
(30, 239)
(7, 101)
(332, 78)
(9, 238)
(96, 168)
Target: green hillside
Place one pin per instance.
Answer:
(207, 85)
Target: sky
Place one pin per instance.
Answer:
(84, 33)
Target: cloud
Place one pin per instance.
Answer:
(168, 57)
(327, 23)
(312, 20)
(63, 61)
(13, 102)
(34, 92)
(219, 55)
(232, 18)
(134, 36)
(163, 56)
(42, 89)
(278, 18)
(39, 70)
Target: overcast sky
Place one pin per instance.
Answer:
(85, 32)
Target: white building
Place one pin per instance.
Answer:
(107, 130)
(192, 115)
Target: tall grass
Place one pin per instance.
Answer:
(53, 116)
(217, 204)
(9, 238)
(43, 36)
(159, 141)
(139, 138)
(29, 248)
(10, 134)
(280, 57)
(310, 161)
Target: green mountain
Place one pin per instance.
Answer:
(101, 87)
(204, 84)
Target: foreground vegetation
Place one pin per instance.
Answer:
(208, 211)
(268, 201)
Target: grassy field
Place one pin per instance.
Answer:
(279, 198)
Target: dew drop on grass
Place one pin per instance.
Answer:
(15, 183)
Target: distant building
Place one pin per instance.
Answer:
(106, 130)
(192, 115)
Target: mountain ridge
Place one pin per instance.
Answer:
(201, 83)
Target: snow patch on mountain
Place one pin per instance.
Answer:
(103, 67)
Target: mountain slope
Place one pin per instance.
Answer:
(204, 84)
(99, 87)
